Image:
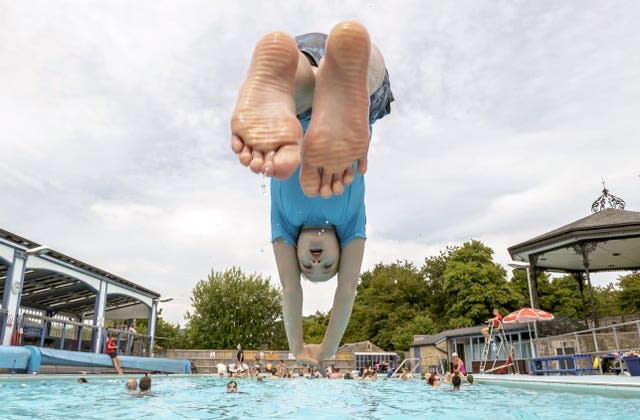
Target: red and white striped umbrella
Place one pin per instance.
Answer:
(527, 315)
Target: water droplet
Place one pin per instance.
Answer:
(263, 185)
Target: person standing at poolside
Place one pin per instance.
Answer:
(458, 365)
(112, 350)
(239, 357)
(131, 331)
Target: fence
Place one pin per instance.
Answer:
(607, 341)
(66, 334)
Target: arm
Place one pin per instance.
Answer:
(289, 271)
(348, 274)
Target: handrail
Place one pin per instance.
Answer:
(66, 333)
(404, 362)
(596, 329)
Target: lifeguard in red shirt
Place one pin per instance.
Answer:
(495, 322)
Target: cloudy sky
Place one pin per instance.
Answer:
(114, 128)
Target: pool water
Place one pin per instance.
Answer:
(205, 397)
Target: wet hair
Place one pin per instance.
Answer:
(456, 381)
(470, 379)
(230, 383)
(432, 378)
(82, 381)
(145, 382)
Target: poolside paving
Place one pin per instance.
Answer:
(619, 384)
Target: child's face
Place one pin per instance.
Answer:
(318, 253)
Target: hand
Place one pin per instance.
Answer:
(312, 354)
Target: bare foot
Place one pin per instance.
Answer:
(265, 132)
(338, 133)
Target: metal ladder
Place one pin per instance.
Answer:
(497, 349)
(401, 365)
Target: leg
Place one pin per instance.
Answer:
(116, 364)
(338, 133)
(265, 132)
(485, 332)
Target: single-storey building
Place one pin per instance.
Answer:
(434, 351)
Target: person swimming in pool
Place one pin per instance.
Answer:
(303, 118)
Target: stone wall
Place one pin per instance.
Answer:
(206, 361)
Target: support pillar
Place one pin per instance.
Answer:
(584, 249)
(12, 294)
(153, 312)
(98, 317)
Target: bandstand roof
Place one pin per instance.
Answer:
(613, 237)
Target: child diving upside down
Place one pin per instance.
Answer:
(303, 117)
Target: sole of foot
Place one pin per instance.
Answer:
(338, 133)
(265, 133)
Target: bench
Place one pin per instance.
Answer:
(563, 364)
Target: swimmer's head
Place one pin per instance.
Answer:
(132, 384)
(145, 383)
(318, 253)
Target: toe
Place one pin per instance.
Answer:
(310, 180)
(245, 155)
(325, 185)
(257, 162)
(236, 144)
(285, 162)
(338, 186)
(347, 177)
(362, 165)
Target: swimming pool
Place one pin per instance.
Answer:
(205, 397)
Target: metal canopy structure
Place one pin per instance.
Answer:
(607, 240)
(34, 277)
(55, 292)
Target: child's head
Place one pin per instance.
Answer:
(318, 253)
(456, 381)
(132, 384)
(145, 383)
(232, 386)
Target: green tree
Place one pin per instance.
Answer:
(607, 300)
(403, 334)
(561, 296)
(473, 285)
(168, 335)
(433, 273)
(519, 287)
(388, 299)
(314, 327)
(231, 308)
(629, 296)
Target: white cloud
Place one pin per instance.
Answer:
(114, 137)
